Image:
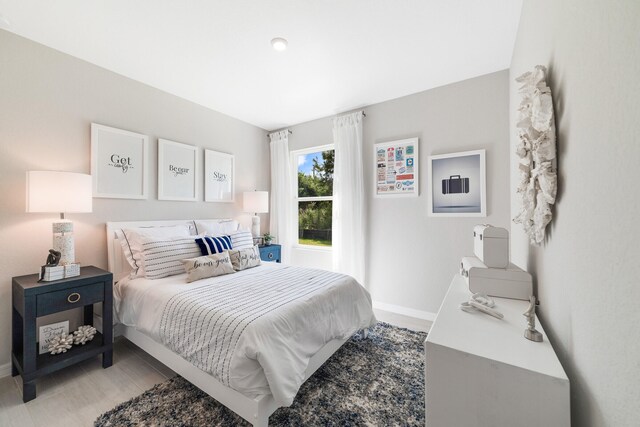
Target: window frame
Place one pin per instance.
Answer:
(296, 200)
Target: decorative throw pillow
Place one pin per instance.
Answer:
(241, 239)
(207, 266)
(216, 227)
(131, 242)
(214, 245)
(245, 258)
(162, 257)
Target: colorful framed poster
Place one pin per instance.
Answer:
(396, 171)
(177, 171)
(118, 163)
(219, 170)
(458, 184)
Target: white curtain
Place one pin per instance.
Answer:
(348, 197)
(281, 209)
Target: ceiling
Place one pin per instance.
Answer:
(343, 54)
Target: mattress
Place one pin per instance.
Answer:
(254, 330)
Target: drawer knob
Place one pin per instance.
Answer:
(270, 255)
(73, 298)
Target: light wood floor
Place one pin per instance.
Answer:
(77, 395)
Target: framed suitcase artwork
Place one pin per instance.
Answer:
(457, 186)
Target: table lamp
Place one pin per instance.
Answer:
(49, 191)
(256, 202)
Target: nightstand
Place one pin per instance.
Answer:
(270, 253)
(32, 299)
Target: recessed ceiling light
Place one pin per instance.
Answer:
(279, 44)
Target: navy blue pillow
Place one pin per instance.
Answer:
(214, 245)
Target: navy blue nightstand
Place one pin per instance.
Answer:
(270, 253)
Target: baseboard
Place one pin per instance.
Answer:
(405, 311)
(5, 370)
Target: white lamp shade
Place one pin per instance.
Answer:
(255, 201)
(49, 191)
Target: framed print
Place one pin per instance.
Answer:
(396, 168)
(177, 171)
(219, 170)
(118, 163)
(458, 184)
(47, 333)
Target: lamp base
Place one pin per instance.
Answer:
(255, 226)
(63, 241)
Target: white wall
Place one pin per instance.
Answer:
(47, 103)
(588, 272)
(411, 257)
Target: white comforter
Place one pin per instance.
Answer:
(253, 330)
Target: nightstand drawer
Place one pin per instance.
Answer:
(270, 253)
(67, 299)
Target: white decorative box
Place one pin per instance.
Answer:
(512, 282)
(491, 245)
(71, 270)
(53, 273)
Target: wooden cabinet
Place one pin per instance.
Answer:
(270, 253)
(32, 299)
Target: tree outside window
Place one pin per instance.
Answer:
(315, 197)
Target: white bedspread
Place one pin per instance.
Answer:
(254, 330)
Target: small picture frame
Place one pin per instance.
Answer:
(396, 168)
(48, 332)
(458, 184)
(178, 171)
(119, 163)
(219, 172)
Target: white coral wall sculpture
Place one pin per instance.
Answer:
(536, 150)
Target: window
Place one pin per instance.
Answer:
(314, 199)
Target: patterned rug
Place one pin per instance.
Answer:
(374, 381)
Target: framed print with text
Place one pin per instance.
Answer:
(219, 170)
(178, 171)
(119, 163)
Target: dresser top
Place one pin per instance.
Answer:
(496, 339)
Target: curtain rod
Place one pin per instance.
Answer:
(291, 133)
(270, 133)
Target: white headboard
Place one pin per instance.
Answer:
(117, 263)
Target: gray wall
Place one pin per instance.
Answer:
(47, 103)
(411, 257)
(587, 274)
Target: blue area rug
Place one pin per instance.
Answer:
(377, 381)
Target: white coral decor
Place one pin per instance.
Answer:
(537, 152)
(61, 343)
(84, 334)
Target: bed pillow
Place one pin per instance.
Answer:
(218, 227)
(131, 242)
(213, 245)
(162, 257)
(245, 258)
(207, 266)
(241, 239)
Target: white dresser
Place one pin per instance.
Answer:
(481, 371)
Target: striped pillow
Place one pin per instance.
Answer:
(162, 257)
(241, 240)
(214, 245)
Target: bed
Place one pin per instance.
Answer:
(248, 339)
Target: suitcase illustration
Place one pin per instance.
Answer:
(455, 185)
